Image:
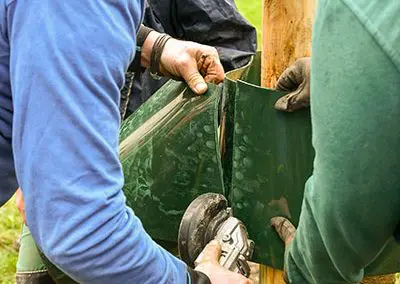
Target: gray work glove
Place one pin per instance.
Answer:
(286, 232)
(295, 80)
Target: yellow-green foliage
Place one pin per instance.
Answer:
(251, 9)
(10, 225)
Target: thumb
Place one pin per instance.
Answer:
(293, 101)
(288, 103)
(194, 79)
(210, 253)
(283, 103)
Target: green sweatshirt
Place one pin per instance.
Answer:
(351, 204)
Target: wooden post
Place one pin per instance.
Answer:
(286, 36)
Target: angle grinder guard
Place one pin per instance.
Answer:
(207, 218)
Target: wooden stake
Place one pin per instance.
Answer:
(286, 36)
(269, 275)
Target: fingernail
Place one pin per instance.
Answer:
(201, 88)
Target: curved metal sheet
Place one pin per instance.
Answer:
(169, 152)
(272, 158)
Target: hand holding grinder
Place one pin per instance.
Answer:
(208, 218)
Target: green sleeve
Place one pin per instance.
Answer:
(351, 205)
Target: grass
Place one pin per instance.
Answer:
(10, 221)
(10, 225)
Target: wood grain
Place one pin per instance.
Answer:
(286, 36)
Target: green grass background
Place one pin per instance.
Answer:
(251, 9)
(10, 225)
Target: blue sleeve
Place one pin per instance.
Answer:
(68, 60)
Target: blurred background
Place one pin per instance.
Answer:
(251, 9)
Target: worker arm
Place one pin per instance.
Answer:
(351, 204)
(68, 60)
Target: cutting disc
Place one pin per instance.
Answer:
(199, 225)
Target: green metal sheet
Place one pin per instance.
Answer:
(227, 119)
(253, 76)
(170, 155)
(272, 158)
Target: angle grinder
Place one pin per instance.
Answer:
(208, 218)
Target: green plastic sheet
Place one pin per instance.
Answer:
(170, 154)
(272, 158)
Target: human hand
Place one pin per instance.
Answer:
(195, 63)
(209, 265)
(286, 232)
(284, 228)
(296, 80)
(19, 201)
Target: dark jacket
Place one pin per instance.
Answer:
(212, 22)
